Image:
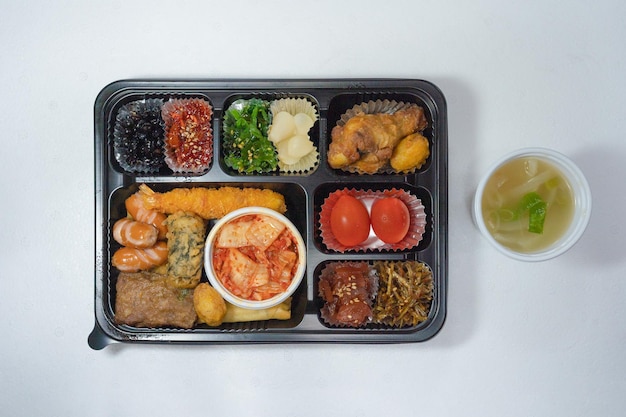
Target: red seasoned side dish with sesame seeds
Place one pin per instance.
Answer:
(347, 290)
(188, 135)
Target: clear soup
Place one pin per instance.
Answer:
(505, 204)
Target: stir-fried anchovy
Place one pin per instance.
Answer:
(405, 293)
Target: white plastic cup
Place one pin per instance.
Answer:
(582, 204)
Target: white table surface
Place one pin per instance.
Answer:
(542, 339)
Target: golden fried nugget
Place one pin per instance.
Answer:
(209, 304)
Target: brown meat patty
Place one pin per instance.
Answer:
(145, 300)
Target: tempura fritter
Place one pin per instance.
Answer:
(185, 243)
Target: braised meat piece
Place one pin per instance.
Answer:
(347, 290)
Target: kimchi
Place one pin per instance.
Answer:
(255, 257)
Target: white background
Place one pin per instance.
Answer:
(544, 339)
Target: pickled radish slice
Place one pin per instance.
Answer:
(299, 145)
(290, 137)
(303, 123)
(283, 127)
(283, 153)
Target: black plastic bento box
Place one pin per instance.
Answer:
(303, 192)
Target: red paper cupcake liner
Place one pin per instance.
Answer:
(413, 237)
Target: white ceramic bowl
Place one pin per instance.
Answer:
(582, 204)
(217, 284)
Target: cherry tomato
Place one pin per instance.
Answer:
(349, 221)
(390, 219)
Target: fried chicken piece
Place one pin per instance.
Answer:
(211, 203)
(366, 141)
(144, 299)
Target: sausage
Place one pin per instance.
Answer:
(134, 234)
(134, 259)
(136, 208)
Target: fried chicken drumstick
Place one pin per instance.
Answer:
(366, 141)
